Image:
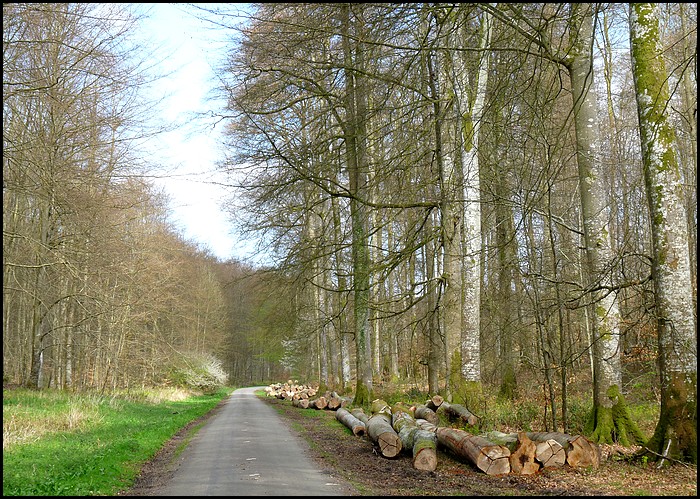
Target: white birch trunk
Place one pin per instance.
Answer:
(471, 112)
(450, 225)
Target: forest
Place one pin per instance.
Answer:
(458, 198)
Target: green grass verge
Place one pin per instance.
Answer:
(86, 444)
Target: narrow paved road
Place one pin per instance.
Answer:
(247, 450)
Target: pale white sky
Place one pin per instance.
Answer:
(190, 49)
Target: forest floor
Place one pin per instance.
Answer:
(337, 450)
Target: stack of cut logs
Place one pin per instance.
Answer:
(415, 430)
(305, 396)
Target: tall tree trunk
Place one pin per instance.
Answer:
(471, 113)
(690, 103)
(356, 157)
(676, 432)
(605, 321)
(341, 295)
(507, 257)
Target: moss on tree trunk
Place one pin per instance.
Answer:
(614, 424)
(362, 394)
(676, 432)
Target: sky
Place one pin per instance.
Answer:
(190, 50)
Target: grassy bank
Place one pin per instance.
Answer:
(60, 443)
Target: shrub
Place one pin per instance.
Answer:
(200, 372)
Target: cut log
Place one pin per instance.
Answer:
(424, 450)
(421, 443)
(301, 403)
(345, 401)
(290, 390)
(434, 402)
(580, 452)
(522, 460)
(424, 412)
(359, 413)
(523, 451)
(357, 427)
(319, 403)
(424, 424)
(401, 406)
(379, 406)
(492, 459)
(550, 454)
(381, 432)
(400, 418)
(457, 412)
(333, 402)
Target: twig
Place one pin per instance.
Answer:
(665, 457)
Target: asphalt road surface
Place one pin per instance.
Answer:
(247, 450)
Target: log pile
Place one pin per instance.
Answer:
(291, 390)
(417, 430)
